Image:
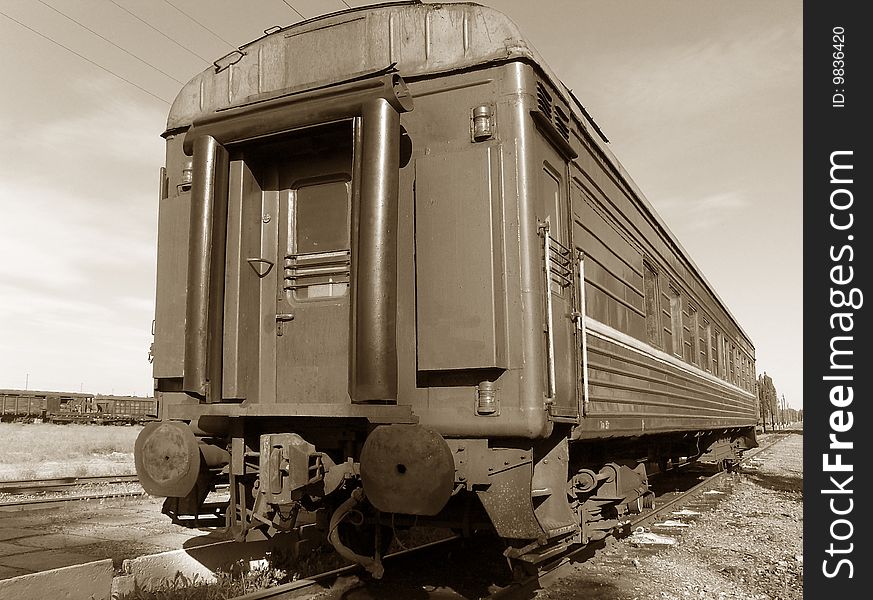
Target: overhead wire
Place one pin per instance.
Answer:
(150, 26)
(288, 4)
(199, 23)
(85, 58)
(105, 39)
(131, 54)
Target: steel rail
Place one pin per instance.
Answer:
(292, 589)
(14, 486)
(55, 499)
(657, 511)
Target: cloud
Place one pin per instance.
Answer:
(700, 214)
(78, 193)
(76, 287)
(708, 74)
(697, 72)
(84, 148)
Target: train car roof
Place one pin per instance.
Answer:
(411, 37)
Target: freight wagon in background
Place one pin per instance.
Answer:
(71, 407)
(421, 289)
(125, 409)
(33, 404)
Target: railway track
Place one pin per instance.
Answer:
(345, 577)
(60, 483)
(36, 491)
(666, 506)
(525, 587)
(340, 582)
(337, 577)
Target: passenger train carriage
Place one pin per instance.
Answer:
(401, 273)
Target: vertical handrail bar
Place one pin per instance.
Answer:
(582, 327)
(547, 248)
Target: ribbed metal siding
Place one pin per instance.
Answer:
(633, 391)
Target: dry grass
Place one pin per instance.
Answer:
(42, 450)
(226, 585)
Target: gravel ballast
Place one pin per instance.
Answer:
(746, 546)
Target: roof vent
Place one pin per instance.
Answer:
(562, 122)
(544, 100)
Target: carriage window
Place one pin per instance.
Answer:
(322, 217)
(715, 352)
(689, 333)
(650, 289)
(738, 365)
(319, 268)
(750, 376)
(676, 321)
(703, 331)
(732, 373)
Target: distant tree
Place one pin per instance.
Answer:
(767, 401)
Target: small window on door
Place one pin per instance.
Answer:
(322, 217)
(319, 266)
(555, 208)
(553, 201)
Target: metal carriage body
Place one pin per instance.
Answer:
(418, 266)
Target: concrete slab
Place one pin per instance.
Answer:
(116, 518)
(57, 541)
(92, 580)
(31, 518)
(118, 550)
(7, 548)
(174, 541)
(7, 572)
(15, 532)
(109, 533)
(151, 571)
(37, 540)
(10, 511)
(45, 559)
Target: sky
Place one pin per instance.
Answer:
(701, 101)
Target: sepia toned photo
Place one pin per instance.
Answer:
(347, 300)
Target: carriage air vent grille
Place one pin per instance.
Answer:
(562, 122)
(561, 259)
(317, 274)
(556, 115)
(544, 100)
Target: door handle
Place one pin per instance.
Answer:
(282, 318)
(261, 266)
